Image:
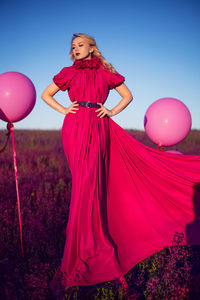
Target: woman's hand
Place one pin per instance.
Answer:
(72, 107)
(47, 96)
(126, 99)
(103, 111)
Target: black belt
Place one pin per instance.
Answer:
(88, 104)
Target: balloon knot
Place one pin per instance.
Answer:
(10, 127)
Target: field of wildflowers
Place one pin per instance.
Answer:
(44, 190)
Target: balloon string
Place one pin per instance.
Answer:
(16, 182)
(160, 147)
(8, 135)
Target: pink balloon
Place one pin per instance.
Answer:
(173, 151)
(17, 96)
(167, 121)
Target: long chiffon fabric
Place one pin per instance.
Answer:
(127, 199)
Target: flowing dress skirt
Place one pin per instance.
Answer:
(127, 200)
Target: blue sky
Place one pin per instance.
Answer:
(154, 44)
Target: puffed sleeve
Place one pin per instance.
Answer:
(63, 78)
(113, 79)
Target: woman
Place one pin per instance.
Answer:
(127, 199)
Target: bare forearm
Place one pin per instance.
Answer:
(121, 105)
(53, 103)
(126, 99)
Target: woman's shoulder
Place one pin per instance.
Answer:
(64, 77)
(113, 78)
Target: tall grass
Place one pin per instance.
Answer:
(44, 190)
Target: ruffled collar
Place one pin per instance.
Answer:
(93, 63)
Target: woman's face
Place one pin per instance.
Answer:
(81, 49)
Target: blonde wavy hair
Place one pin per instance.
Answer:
(91, 41)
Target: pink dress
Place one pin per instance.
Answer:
(127, 199)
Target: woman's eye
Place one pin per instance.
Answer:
(80, 45)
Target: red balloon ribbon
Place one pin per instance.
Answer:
(10, 127)
(160, 147)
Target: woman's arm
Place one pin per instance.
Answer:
(127, 97)
(47, 96)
